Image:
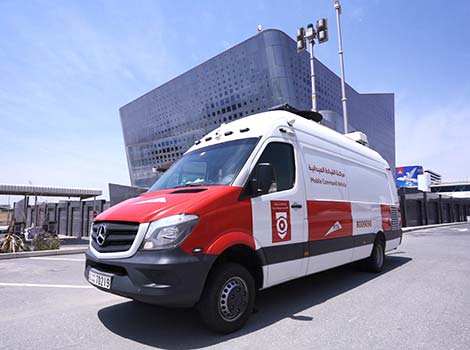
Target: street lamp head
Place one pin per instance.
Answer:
(322, 30)
(322, 24)
(301, 39)
(310, 33)
(323, 36)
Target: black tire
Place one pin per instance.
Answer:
(228, 297)
(376, 261)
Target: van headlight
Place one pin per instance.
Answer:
(169, 232)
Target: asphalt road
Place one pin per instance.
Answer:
(421, 301)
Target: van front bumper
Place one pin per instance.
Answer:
(163, 277)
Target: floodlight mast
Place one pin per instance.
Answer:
(321, 32)
(310, 35)
(341, 62)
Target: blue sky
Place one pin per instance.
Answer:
(67, 66)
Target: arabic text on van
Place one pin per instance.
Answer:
(325, 170)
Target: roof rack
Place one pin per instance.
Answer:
(310, 115)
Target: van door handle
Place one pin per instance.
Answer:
(296, 206)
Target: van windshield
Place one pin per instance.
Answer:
(213, 165)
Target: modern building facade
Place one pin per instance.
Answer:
(436, 179)
(251, 77)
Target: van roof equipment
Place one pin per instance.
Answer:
(310, 115)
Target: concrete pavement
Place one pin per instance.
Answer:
(420, 301)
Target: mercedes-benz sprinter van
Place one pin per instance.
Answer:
(257, 202)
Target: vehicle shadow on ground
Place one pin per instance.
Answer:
(182, 329)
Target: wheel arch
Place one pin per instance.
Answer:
(380, 236)
(247, 257)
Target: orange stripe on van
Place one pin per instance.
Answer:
(329, 219)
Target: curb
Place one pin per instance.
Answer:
(4, 256)
(415, 228)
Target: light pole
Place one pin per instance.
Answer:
(321, 33)
(341, 62)
(310, 35)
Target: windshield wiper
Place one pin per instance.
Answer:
(191, 185)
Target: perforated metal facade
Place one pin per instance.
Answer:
(251, 77)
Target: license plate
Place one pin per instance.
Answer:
(99, 279)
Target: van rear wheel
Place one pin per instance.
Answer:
(228, 298)
(375, 262)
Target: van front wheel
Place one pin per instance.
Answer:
(228, 298)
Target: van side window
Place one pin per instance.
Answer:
(281, 156)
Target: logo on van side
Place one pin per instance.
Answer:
(280, 221)
(336, 227)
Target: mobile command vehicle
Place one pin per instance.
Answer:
(257, 202)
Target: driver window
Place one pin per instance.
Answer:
(281, 156)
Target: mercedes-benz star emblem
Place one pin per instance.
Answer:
(101, 235)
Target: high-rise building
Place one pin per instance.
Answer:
(261, 72)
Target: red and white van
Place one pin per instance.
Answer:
(257, 202)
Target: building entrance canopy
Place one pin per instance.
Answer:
(48, 191)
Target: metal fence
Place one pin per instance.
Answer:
(69, 218)
(421, 208)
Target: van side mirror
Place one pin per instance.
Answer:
(263, 180)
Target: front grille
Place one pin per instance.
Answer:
(110, 237)
(394, 218)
